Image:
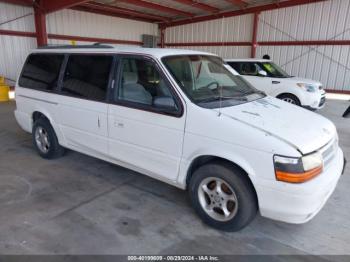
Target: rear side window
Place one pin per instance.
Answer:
(41, 71)
(87, 76)
(236, 67)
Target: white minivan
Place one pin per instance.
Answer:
(274, 81)
(183, 118)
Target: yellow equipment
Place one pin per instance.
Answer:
(4, 90)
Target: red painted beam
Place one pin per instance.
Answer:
(17, 33)
(303, 43)
(153, 6)
(276, 43)
(52, 6)
(93, 39)
(162, 37)
(255, 34)
(18, 2)
(98, 8)
(40, 24)
(347, 92)
(240, 3)
(209, 44)
(202, 6)
(70, 37)
(248, 10)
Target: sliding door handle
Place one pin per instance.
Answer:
(276, 82)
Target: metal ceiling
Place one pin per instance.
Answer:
(168, 11)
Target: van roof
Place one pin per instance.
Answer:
(155, 52)
(247, 60)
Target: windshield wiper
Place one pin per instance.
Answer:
(217, 98)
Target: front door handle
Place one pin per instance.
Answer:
(276, 82)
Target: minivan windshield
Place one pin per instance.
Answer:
(274, 70)
(208, 83)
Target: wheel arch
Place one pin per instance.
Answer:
(295, 93)
(205, 159)
(40, 112)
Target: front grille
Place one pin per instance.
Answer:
(322, 102)
(328, 152)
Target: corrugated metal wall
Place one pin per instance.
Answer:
(14, 49)
(76, 23)
(231, 29)
(329, 20)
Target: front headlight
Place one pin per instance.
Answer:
(298, 170)
(308, 87)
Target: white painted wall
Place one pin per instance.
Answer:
(77, 23)
(231, 29)
(329, 20)
(14, 49)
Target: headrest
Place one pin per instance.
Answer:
(130, 78)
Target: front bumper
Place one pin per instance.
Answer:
(299, 203)
(314, 101)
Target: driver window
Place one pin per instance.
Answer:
(141, 83)
(250, 69)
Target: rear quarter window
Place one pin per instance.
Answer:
(41, 71)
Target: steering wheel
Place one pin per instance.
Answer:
(212, 83)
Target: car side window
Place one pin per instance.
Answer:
(250, 69)
(41, 71)
(142, 84)
(87, 76)
(236, 66)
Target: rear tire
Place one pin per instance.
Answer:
(223, 196)
(289, 98)
(45, 140)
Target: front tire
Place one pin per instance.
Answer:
(223, 196)
(289, 98)
(45, 140)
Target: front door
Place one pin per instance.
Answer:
(146, 119)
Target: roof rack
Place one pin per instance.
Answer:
(95, 45)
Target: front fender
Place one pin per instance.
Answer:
(257, 164)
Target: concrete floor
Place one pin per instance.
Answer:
(81, 205)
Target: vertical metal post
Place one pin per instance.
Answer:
(162, 37)
(40, 24)
(255, 34)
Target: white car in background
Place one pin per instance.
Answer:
(274, 81)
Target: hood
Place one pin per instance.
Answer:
(304, 130)
(304, 80)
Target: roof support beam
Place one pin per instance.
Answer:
(53, 6)
(98, 8)
(162, 8)
(248, 10)
(18, 2)
(255, 34)
(40, 24)
(195, 4)
(240, 3)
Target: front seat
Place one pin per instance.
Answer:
(132, 91)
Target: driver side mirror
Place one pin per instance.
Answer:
(165, 103)
(262, 73)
